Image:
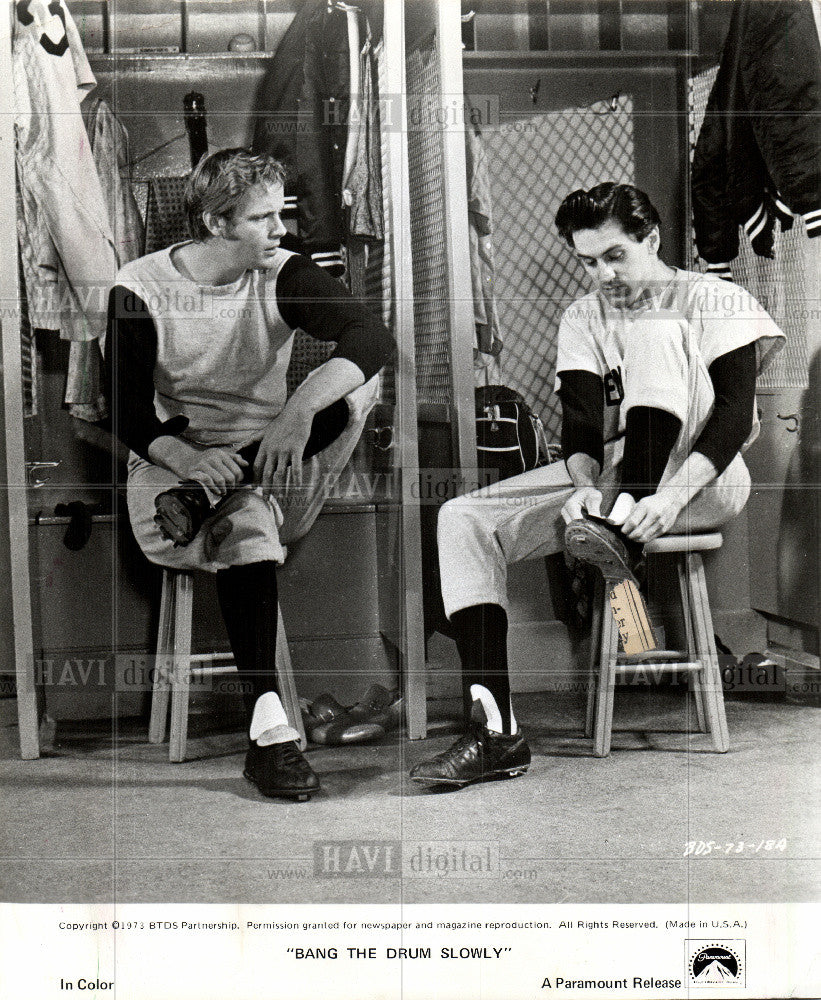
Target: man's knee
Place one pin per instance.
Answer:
(461, 517)
(452, 516)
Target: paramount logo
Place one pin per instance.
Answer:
(405, 859)
(715, 963)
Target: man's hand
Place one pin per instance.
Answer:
(654, 515)
(282, 447)
(585, 498)
(218, 469)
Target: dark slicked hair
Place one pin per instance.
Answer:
(622, 203)
(220, 180)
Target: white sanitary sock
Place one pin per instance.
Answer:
(269, 723)
(492, 714)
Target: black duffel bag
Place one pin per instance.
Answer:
(510, 438)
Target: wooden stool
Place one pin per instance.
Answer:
(175, 666)
(699, 661)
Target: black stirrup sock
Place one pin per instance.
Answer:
(481, 638)
(248, 601)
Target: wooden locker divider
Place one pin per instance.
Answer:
(17, 567)
(410, 638)
(460, 292)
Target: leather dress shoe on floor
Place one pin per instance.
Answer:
(479, 755)
(281, 771)
(329, 723)
(604, 546)
(379, 706)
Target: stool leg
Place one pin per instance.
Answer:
(595, 644)
(182, 666)
(285, 681)
(706, 649)
(696, 680)
(163, 664)
(608, 651)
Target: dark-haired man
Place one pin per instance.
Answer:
(199, 341)
(656, 372)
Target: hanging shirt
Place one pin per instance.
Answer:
(68, 247)
(109, 144)
(362, 193)
(480, 244)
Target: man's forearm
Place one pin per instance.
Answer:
(583, 469)
(696, 473)
(171, 453)
(325, 385)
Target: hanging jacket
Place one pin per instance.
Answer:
(302, 116)
(302, 122)
(758, 155)
(277, 100)
(323, 129)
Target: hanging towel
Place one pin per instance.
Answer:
(379, 285)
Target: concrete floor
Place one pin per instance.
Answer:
(99, 820)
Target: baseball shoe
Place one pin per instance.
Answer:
(479, 755)
(603, 546)
(181, 512)
(281, 771)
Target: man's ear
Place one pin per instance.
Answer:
(653, 239)
(217, 225)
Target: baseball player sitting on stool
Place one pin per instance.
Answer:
(656, 372)
(224, 469)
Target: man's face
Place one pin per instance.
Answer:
(254, 230)
(620, 266)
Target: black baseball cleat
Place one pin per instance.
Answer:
(479, 755)
(602, 545)
(281, 771)
(181, 511)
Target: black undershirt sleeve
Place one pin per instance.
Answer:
(128, 367)
(582, 398)
(317, 303)
(733, 376)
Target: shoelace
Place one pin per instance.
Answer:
(463, 743)
(291, 754)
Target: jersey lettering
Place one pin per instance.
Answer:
(613, 387)
(24, 16)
